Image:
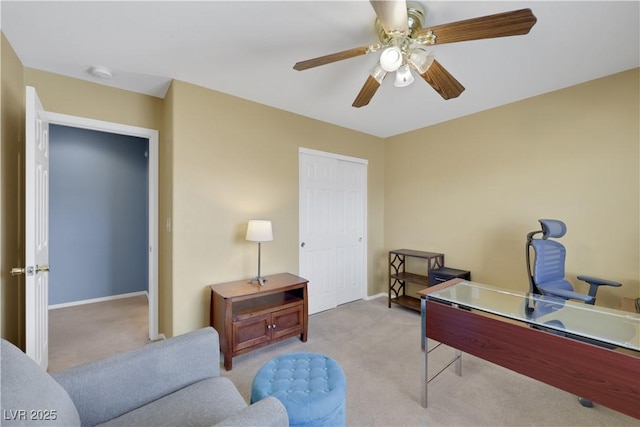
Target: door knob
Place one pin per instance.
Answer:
(302, 245)
(16, 271)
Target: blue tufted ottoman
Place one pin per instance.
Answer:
(311, 386)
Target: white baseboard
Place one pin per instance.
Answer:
(102, 299)
(380, 295)
(160, 337)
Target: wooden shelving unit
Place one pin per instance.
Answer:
(399, 277)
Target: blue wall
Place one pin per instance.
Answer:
(98, 214)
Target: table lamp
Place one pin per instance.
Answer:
(259, 231)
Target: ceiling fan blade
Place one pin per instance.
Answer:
(334, 57)
(513, 23)
(366, 93)
(442, 81)
(392, 15)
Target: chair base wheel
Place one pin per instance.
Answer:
(585, 402)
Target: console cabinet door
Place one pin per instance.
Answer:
(252, 331)
(287, 322)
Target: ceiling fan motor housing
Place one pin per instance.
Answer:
(415, 21)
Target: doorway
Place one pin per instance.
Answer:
(149, 138)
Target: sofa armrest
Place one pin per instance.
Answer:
(269, 412)
(108, 388)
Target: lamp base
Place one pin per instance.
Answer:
(259, 279)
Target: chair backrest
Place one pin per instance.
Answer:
(548, 265)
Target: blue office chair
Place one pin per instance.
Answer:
(547, 277)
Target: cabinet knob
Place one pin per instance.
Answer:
(274, 326)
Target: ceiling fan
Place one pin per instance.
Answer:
(399, 25)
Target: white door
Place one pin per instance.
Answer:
(332, 228)
(349, 225)
(36, 230)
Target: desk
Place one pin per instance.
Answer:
(541, 337)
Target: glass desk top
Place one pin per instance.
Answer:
(577, 319)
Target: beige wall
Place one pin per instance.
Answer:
(236, 160)
(223, 161)
(11, 185)
(66, 95)
(473, 187)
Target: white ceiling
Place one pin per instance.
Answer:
(247, 49)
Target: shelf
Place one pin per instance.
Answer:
(411, 277)
(417, 254)
(408, 302)
(264, 304)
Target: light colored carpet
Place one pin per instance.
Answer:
(87, 332)
(379, 351)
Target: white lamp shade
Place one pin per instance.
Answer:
(403, 76)
(421, 59)
(391, 59)
(259, 231)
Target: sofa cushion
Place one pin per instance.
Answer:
(29, 395)
(201, 404)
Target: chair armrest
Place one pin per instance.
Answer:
(269, 412)
(564, 293)
(108, 388)
(598, 282)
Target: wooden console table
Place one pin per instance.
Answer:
(590, 351)
(248, 316)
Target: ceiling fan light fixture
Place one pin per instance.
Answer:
(403, 76)
(421, 59)
(391, 59)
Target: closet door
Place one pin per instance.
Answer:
(332, 228)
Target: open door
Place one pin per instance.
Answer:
(36, 230)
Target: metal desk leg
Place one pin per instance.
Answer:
(457, 359)
(425, 376)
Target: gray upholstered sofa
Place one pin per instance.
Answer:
(175, 382)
